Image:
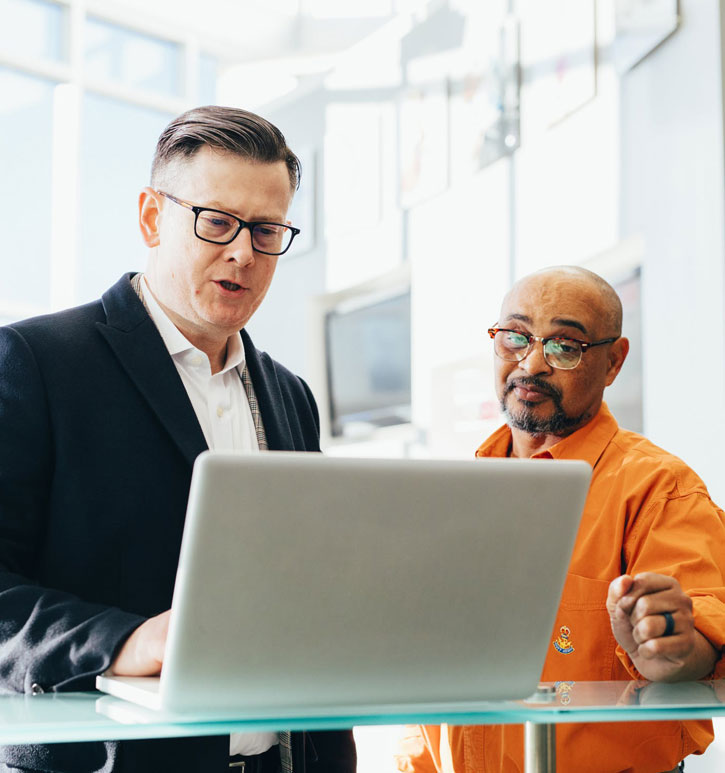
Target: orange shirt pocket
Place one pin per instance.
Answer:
(582, 645)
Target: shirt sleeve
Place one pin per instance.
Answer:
(683, 536)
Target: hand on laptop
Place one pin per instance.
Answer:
(661, 649)
(143, 652)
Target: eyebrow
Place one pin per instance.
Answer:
(570, 323)
(221, 208)
(555, 321)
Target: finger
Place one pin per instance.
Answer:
(620, 619)
(637, 589)
(658, 603)
(622, 630)
(647, 583)
(617, 589)
(658, 626)
(652, 582)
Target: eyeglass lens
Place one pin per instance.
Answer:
(219, 227)
(563, 353)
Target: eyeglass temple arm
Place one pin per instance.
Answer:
(586, 345)
(175, 200)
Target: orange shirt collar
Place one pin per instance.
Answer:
(587, 443)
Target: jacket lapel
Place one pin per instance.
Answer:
(136, 342)
(269, 395)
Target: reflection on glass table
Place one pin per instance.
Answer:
(53, 717)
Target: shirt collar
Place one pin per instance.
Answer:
(587, 443)
(176, 342)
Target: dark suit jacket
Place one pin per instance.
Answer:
(97, 442)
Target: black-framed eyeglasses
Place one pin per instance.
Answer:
(559, 352)
(218, 227)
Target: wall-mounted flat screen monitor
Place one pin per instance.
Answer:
(368, 364)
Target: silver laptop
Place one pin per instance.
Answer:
(310, 585)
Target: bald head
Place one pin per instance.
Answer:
(565, 283)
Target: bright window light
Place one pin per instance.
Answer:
(26, 120)
(64, 212)
(31, 28)
(134, 59)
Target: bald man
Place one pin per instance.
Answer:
(644, 596)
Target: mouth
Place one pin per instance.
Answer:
(530, 395)
(531, 391)
(231, 287)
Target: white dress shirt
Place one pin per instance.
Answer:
(221, 406)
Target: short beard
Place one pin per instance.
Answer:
(526, 421)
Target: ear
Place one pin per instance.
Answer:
(617, 355)
(149, 211)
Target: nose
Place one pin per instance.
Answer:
(241, 250)
(534, 363)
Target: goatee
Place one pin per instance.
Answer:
(558, 423)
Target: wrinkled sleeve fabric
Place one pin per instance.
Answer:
(681, 533)
(47, 638)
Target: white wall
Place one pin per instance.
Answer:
(279, 325)
(672, 195)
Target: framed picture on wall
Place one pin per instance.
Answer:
(484, 107)
(302, 211)
(640, 26)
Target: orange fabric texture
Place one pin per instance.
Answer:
(646, 511)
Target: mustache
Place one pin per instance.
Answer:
(533, 381)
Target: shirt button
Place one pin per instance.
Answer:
(36, 689)
(220, 411)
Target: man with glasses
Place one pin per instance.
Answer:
(103, 410)
(644, 597)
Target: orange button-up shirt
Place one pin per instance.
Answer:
(646, 511)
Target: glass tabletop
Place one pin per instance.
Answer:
(92, 716)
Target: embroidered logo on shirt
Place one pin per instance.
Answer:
(562, 643)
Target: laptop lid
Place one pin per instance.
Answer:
(313, 585)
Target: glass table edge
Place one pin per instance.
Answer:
(64, 717)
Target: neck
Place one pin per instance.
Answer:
(215, 347)
(525, 445)
(217, 357)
